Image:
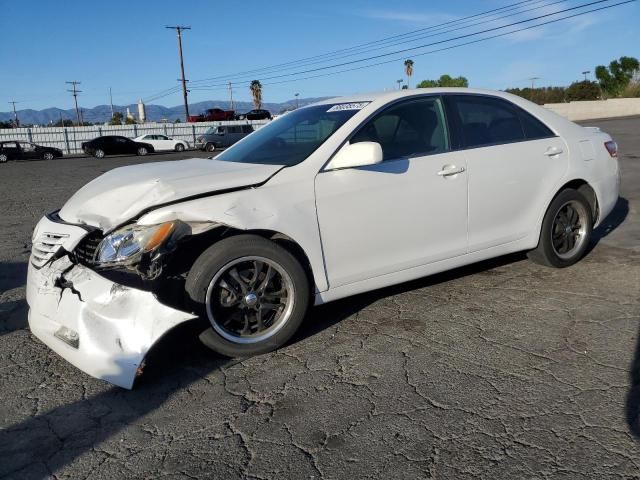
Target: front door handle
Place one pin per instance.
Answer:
(449, 170)
(553, 151)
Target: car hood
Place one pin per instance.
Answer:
(122, 193)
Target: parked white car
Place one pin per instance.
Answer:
(334, 199)
(164, 143)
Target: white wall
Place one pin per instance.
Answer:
(587, 110)
(69, 139)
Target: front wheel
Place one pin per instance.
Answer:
(253, 292)
(48, 156)
(99, 153)
(3, 158)
(210, 147)
(142, 151)
(566, 231)
(179, 147)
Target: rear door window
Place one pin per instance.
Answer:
(487, 121)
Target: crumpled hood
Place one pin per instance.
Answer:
(122, 193)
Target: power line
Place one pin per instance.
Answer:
(179, 29)
(301, 61)
(450, 47)
(74, 91)
(459, 37)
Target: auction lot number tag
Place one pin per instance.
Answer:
(348, 106)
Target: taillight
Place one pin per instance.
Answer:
(612, 148)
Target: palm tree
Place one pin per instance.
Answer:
(256, 93)
(408, 69)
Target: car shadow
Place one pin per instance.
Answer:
(13, 312)
(632, 406)
(43, 444)
(611, 222)
(12, 275)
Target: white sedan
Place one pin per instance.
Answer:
(333, 199)
(164, 143)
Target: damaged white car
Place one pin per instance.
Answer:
(328, 201)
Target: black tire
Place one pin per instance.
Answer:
(555, 230)
(214, 261)
(210, 147)
(98, 153)
(142, 151)
(179, 147)
(48, 156)
(3, 158)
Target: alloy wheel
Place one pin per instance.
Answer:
(568, 232)
(250, 299)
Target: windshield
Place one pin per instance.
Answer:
(293, 137)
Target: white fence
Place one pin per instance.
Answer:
(592, 109)
(69, 139)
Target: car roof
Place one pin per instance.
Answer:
(383, 97)
(379, 99)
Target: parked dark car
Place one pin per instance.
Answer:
(255, 115)
(115, 145)
(19, 150)
(222, 136)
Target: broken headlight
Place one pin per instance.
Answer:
(127, 245)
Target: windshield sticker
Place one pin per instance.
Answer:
(348, 106)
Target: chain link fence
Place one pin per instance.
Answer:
(70, 139)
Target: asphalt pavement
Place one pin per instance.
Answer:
(501, 370)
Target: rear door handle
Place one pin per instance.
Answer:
(552, 151)
(449, 170)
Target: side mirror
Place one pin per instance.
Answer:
(356, 155)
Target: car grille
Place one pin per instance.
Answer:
(45, 247)
(86, 249)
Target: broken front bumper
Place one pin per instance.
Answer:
(101, 327)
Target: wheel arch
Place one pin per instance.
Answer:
(204, 240)
(585, 189)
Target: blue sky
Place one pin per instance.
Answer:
(124, 45)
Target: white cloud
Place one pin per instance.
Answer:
(408, 17)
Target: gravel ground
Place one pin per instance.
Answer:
(504, 369)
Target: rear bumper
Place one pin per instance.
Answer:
(103, 328)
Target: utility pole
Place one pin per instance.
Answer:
(296, 95)
(231, 95)
(111, 102)
(15, 113)
(586, 74)
(533, 81)
(74, 91)
(179, 29)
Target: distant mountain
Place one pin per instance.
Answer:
(102, 113)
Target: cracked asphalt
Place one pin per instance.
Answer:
(501, 370)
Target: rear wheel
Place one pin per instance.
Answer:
(142, 151)
(48, 156)
(566, 231)
(3, 158)
(253, 292)
(179, 147)
(99, 153)
(210, 147)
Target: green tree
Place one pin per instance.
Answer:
(616, 77)
(408, 70)
(256, 93)
(445, 81)
(584, 90)
(116, 119)
(130, 121)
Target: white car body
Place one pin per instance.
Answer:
(162, 142)
(360, 228)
